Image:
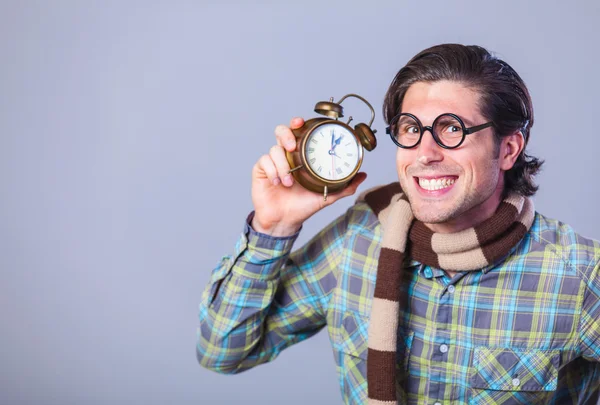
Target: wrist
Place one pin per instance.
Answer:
(277, 230)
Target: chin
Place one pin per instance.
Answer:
(434, 212)
(429, 217)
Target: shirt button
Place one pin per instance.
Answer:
(451, 289)
(516, 382)
(443, 348)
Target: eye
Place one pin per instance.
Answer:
(450, 129)
(410, 129)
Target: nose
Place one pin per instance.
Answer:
(428, 150)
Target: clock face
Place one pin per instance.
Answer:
(332, 152)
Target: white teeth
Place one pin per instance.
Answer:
(436, 184)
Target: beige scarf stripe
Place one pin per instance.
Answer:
(403, 236)
(376, 402)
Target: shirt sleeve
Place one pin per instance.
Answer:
(262, 299)
(590, 318)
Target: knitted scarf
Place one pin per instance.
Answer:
(404, 236)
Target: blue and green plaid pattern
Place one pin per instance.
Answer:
(524, 331)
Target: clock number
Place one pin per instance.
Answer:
(320, 169)
(313, 160)
(349, 154)
(339, 170)
(311, 150)
(346, 164)
(314, 140)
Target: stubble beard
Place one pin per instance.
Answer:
(432, 212)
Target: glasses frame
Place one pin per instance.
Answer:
(466, 131)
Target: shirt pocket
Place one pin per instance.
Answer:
(513, 376)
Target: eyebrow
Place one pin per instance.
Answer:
(405, 119)
(467, 121)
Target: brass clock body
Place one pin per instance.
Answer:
(318, 139)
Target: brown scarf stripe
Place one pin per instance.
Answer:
(390, 280)
(421, 237)
(423, 254)
(380, 198)
(420, 232)
(471, 249)
(385, 376)
(489, 229)
(498, 248)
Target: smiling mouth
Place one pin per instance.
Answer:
(436, 183)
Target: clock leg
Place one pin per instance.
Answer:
(325, 194)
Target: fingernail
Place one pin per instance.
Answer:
(288, 180)
(290, 145)
(276, 181)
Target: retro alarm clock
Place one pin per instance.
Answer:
(329, 152)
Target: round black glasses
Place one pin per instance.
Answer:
(448, 130)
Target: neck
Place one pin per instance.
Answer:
(472, 217)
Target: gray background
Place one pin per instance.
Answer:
(127, 135)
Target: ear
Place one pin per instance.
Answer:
(511, 147)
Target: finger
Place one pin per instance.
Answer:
(285, 138)
(351, 188)
(356, 182)
(277, 155)
(268, 167)
(296, 122)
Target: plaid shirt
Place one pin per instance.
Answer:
(525, 331)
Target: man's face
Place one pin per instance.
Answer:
(449, 189)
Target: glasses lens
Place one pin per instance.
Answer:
(406, 131)
(449, 130)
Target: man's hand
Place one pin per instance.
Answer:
(281, 205)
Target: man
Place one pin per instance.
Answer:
(446, 287)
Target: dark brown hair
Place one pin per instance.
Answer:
(505, 99)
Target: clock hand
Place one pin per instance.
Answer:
(332, 137)
(337, 142)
